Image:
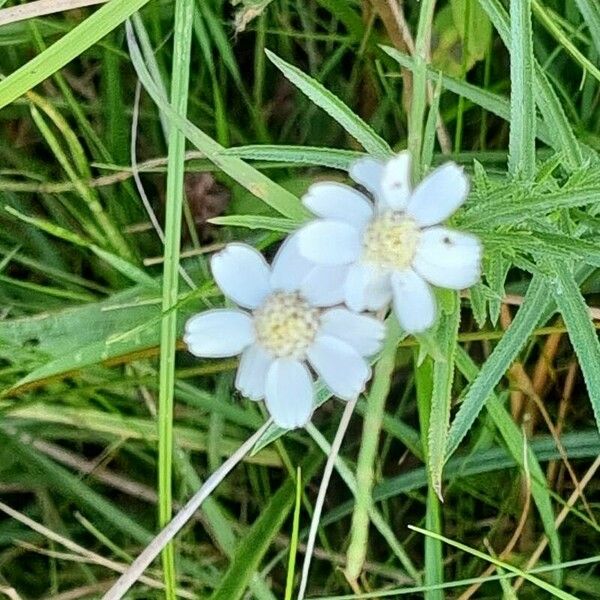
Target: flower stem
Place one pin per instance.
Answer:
(368, 451)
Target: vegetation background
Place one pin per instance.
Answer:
(103, 434)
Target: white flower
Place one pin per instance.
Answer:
(285, 327)
(394, 250)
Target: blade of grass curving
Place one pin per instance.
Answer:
(499, 361)
(582, 333)
(182, 42)
(365, 468)
(255, 182)
(429, 134)
(521, 146)
(333, 106)
(506, 566)
(515, 442)
(72, 44)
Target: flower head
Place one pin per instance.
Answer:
(395, 249)
(285, 328)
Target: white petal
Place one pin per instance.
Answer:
(332, 200)
(218, 333)
(342, 368)
(289, 393)
(395, 183)
(329, 242)
(368, 171)
(252, 373)
(438, 195)
(242, 274)
(289, 267)
(324, 285)
(414, 303)
(364, 333)
(448, 258)
(367, 288)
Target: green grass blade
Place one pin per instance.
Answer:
(552, 112)
(521, 150)
(291, 566)
(67, 48)
(508, 567)
(499, 361)
(333, 106)
(419, 86)
(184, 12)
(298, 155)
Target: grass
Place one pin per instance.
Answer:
(468, 469)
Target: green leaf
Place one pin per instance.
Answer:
(443, 376)
(516, 443)
(559, 128)
(72, 44)
(582, 333)
(499, 361)
(521, 147)
(298, 155)
(333, 106)
(257, 222)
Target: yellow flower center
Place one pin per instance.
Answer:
(286, 324)
(390, 241)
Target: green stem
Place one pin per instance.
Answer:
(373, 419)
(168, 334)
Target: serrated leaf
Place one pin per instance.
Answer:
(443, 376)
(582, 333)
(499, 361)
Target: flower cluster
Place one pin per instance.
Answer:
(305, 313)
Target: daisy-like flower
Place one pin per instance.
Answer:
(285, 328)
(395, 249)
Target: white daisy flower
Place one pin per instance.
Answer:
(285, 328)
(396, 249)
